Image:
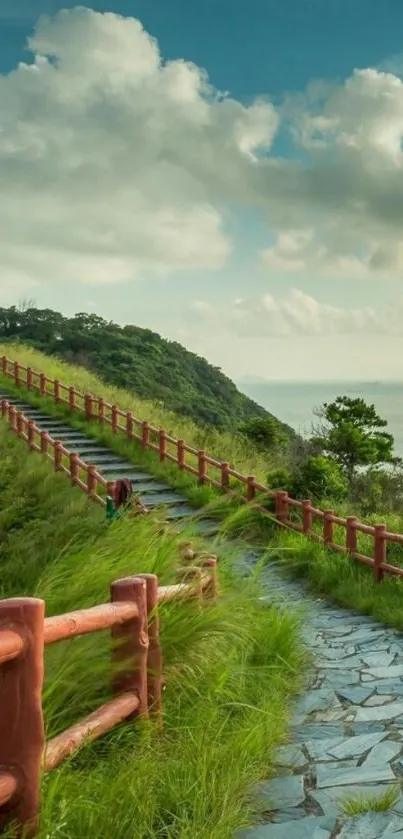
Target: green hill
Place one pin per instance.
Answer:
(138, 360)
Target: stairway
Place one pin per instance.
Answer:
(347, 728)
(153, 493)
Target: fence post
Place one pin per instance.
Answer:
(145, 434)
(56, 391)
(131, 642)
(42, 384)
(22, 736)
(129, 425)
(29, 378)
(306, 516)
(44, 442)
(181, 454)
(4, 408)
(12, 417)
(74, 467)
(31, 434)
(154, 659)
(225, 476)
(327, 527)
(72, 399)
(92, 480)
(4, 365)
(115, 418)
(351, 535)
(17, 374)
(281, 502)
(162, 444)
(58, 455)
(202, 466)
(250, 487)
(20, 422)
(88, 406)
(380, 551)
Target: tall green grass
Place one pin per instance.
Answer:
(232, 670)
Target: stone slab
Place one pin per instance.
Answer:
(281, 793)
(329, 775)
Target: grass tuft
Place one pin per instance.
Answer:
(360, 804)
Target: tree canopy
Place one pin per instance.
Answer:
(352, 434)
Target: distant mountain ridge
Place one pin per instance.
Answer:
(138, 360)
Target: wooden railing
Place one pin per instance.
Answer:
(297, 515)
(82, 474)
(132, 616)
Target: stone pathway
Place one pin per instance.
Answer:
(348, 727)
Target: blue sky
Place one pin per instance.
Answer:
(272, 256)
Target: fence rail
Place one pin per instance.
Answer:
(298, 515)
(133, 618)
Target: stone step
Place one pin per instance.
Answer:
(109, 466)
(159, 499)
(180, 512)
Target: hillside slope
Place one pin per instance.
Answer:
(138, 360)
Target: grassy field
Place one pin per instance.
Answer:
(232, 670)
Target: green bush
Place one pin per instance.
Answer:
(319, 478)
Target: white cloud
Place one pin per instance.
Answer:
(116, 165)
(112, 163)
(342, 212)
(296, 314)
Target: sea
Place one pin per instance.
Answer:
(294, 403)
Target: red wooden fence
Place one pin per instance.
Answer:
(132, 616)
(289, 512)
(81, 474)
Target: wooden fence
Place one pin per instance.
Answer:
(82, 474)
(301, 516)
(132, 616)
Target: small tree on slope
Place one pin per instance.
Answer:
(352, 435)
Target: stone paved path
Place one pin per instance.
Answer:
(347, 728)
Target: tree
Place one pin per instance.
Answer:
(352, 435)
(263, 432)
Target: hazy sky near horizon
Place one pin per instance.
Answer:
(227, 173)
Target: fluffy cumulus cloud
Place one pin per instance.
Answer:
(116, 165)
(113, 164)
(295, 314)
(341, 212)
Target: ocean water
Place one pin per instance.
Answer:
(295, 403)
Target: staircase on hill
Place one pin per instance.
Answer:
(153, 493)
(347, 728)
